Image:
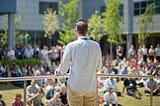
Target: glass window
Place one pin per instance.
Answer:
(142, 11)
(136, 12)
(136, 8)
(44, 5)
(143, 4)
(103, 8)
(157, 10)
(158, 3)
(136, 5)
(121, 9)
(150, 2)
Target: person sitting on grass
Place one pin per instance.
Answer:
(36, 100)
(155, 87)
(31, 91)
(50, 90)
(110, 98)
(2, 103)
(101, 79)
(18, 100)
(63, 95)
(131, 87)
(111, 82)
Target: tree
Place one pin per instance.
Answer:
(95, 25)
(113, 23)
(19, 36)
(146, 23)
(69, 13)
(50, 22)
(4, 37)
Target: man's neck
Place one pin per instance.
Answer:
(81, 36)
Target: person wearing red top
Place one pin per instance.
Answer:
(18, 100)
(134, 63)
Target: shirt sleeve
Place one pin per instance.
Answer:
(105, 97)
(99, 66)
(115, 95)
(65, 61)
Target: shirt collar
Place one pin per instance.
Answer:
(83, 38)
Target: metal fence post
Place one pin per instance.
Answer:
(24, 88)
(97, 90)
(151, 91)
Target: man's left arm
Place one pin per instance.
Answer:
(99, 66)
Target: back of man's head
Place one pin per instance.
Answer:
(81, 27)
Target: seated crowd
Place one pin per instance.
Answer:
(142, 62)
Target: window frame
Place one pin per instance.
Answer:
(43, 6)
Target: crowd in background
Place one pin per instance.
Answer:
(142, 61)
(50, 59)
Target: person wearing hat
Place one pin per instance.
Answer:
(83, 59)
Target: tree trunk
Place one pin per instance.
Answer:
(111, 51)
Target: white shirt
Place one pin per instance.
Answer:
(110, 83)
(83, 58)
(44, 53)
(110, 98)
(11, 53)
(157, 51)
(2, 70)
(144, 50)
(28, 53)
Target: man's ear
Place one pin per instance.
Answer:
(87, 31)
(75, 31)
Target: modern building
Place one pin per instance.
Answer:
(10, 12)
(31, 12)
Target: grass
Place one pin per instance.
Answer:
(8, 91)
(126, 100)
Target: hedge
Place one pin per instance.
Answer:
(21, 62)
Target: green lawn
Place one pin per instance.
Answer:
(8, 91)
(126, 100)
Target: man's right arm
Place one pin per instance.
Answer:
(65, 62)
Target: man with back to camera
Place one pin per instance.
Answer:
(83, 58)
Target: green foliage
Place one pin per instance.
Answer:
(69, 13)
(95, 25)
(146, 23)
(113, 22)
(66, 37)
(3, 37)
(21, 62)
(50, 22)
(19, 36)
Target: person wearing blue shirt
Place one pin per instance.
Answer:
(155, 88)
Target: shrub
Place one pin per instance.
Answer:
(21, 62)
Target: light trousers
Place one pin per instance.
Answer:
(79, 99)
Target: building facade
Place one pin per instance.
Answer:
(31, 12)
